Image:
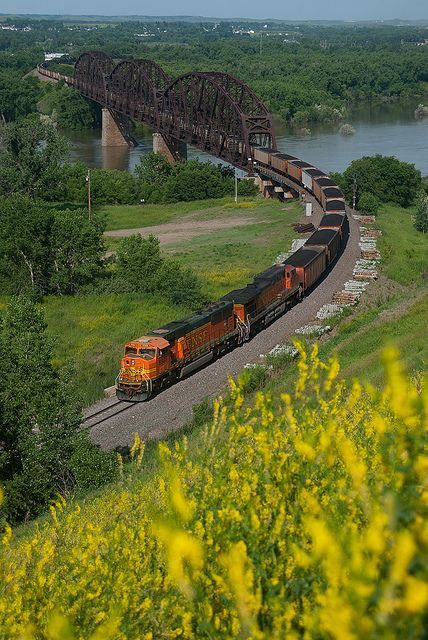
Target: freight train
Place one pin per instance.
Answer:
(173, 351)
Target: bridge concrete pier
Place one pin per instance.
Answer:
(173, 150)
(111, 134)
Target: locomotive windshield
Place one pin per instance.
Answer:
(146, 354)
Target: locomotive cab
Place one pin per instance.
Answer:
(144, 361)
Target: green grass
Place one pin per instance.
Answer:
(133, 216)
(224, 259)
(359, 348)
(404, 250)
(90, 332)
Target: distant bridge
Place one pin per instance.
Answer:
(212, 111)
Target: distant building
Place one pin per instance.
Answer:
(53, 56)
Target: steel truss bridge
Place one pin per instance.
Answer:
(212, 111)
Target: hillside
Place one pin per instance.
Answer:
(283, 518)
(268, 515)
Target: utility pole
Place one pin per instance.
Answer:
(354, 191)
(88, 180)
(236, 187)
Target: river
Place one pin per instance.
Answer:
(389, 129)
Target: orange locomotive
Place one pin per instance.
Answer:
(179, 348)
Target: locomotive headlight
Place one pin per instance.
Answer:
(132, 362)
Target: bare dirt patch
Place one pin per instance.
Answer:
(172, 232)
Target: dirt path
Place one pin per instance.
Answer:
(172, 232)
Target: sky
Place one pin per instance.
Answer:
(282, 9)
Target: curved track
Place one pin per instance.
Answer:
(172, 409)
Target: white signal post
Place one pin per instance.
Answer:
(88, 180)
(236, 187)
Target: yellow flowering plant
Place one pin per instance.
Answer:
(301, 518)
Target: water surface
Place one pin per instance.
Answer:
(388, 129)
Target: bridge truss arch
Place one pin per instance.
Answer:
(134, 87)
(90, 73)
(218, 114)
(213, 111)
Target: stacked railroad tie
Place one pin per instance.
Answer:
(366, 267)
(313, 329)
(365, 271)
(279, 351)
(306, 227)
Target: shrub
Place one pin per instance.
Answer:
(39, 420)
(90, 466)
(421, 214)
(138, 262)
(179, 284)
(142, 268)
(368, 203)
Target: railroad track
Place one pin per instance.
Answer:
(111, 411)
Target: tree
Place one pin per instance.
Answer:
(25, 231)
(77, 251)
(195, 180)
(71, 109)
(153, 168)
(368, 203)
(385, 177)
(39, 417)
(138, 261)
(180, 285)
(142, 268)
(31, 153)
(421, 214)
(18, 96)
(44, 250)
(113, 186)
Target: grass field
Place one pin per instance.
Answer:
(404, 250)
(90, 332)
(127, 216)
(226, 258)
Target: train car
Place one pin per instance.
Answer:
(263, 155)
(327, 239)
(280, 161)
(308, 176)
(335, 206)
(295, 168)
(318, 184)
(267, 297)
(330, 193)
(309, 264)
(175, 350)
(337, 221)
